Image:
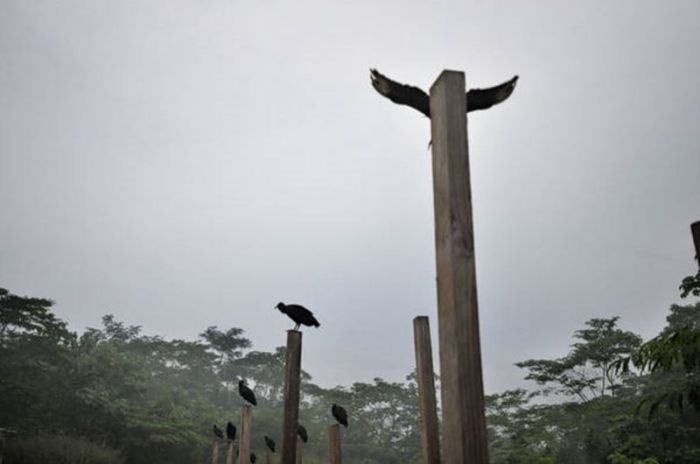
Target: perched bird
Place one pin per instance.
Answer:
(340, 414)
(253, 458)
(402, 94)
(299, 314)
(246, 393)
(231, 431)
(270, 443)
(217, 431)
(301, 431)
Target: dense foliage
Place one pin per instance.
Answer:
(118, 395)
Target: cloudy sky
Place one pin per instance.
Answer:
(182, 164)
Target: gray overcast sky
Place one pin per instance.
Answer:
(182, 164)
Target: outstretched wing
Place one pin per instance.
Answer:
(401, 93)
(477, 99)
(480, 99)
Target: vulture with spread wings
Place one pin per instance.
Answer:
(402, 94)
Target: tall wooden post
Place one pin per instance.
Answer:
(229, 453)
(292, 384)
(215, 452)
(430, 434)
(334, 444)
(244, 434)
(267, 457)
(695, 230)
(464, 424)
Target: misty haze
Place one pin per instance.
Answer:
(220, 219)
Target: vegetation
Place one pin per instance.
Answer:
(114, 394)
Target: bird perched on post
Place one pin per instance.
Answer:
(217, 431)
(402, 94)
(231, 431)
(299, 314)
(301, 431)
(246, 393)
(270, 443)
(253, 458)
(340, 414)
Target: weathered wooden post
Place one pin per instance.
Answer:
(215, 451)
(300, 449)
(430, 434)
(695, 230)
(267, 457)
(229, 452)
(244, 434)
(334, 444)
(464, 424)
(292, 386)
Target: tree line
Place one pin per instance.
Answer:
(114, 394)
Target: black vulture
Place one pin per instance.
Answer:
(299, 314)
(253, 458)
(270, 443)
(402, 94)
(217, 431)
(231, 431)
(246, 393)
(340, 414)
(301, 431)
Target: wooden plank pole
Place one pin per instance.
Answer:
(695, 230)
(430, 433)
(334, 444)
(464, 424)
(292, 388)
(268, 459)
(300, 449)
(229, 453)
(244, 434)
(215, 452)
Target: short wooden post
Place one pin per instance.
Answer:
(215, 452)
(695, 230)
(292, 380)
(300, 449)
(229, 453)
(244, 434)
(430, 434)
(267, 457)
(464, 424)
(334, 444)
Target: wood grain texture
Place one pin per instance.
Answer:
(230, 453)
(300, 451)
(464, 424)
(292, 383)
(215, 452)
(244, 434)
(430, 433)
(334, 448)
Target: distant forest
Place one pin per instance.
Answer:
(116, 395)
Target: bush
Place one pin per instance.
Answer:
(58, 450)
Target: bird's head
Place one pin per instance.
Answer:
(280, 306)
(241, 382)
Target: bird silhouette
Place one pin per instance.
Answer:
(340, 414)
(270, 443)
(231, 431)
(301, 431)
(217, 431)
(299, 314)
(246, 393)
(402, 94)
(253, 458)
